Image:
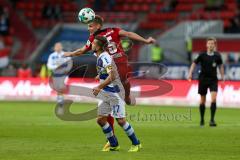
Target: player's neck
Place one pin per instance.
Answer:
(210, 52)
(99, 52)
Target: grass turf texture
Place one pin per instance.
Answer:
(30, 130)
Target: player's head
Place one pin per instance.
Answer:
(58, 47)
(211, 44)
(96, 24)
(99, 43)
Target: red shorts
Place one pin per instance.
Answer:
(123, 67)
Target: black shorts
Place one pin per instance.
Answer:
(204, 84)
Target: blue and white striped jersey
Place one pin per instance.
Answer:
(105, 64)
(56, 59)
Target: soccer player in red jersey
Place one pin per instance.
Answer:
(115, 49)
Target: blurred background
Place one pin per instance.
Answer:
(30, 28)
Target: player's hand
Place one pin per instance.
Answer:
(67, 54)
(97, 78)
(189, 77)
(150, 40)
(223, 80)
(96, 90)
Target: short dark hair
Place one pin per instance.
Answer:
(102, 41)
(98, 19)
(212, 39)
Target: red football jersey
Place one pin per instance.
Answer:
(114, 42)
(114, 49)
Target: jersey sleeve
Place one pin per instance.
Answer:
(116, 30)
(107, 63)
(88, 45)
(219, 61)
(198, 59)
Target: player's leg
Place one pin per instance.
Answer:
(127, 86)
(119, 114)
(202, 90)
(128, 129)
(123, 70)
(110, 120)
(60, 99)
(213, 108)
(202, 109)
(104, 109)
(107, 130)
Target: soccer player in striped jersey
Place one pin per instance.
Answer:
(111, 92)
(55, 60)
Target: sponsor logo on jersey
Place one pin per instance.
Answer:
(214, 64)
(88, 43)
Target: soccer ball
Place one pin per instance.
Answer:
(86, 15)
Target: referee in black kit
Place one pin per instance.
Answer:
(209, 61)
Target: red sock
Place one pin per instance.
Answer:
(110, 120)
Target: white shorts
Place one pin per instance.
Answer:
(111, 103)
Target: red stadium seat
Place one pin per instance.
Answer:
(163, 16)
(194, 17)
(227, 14)
(8, 40)
(12, 31)
(159, 7)
(4, 52)
(74, 7)
(66, 7)
(184, 7)
(21, 5)
(145, 8)
(158, 1)
(126, 7)
(29, 14)
(39, 6)
(226, 23)
(152, 25)
(38, 14)
(191, 1)
(30, 6)
(230, 1)
(232, 6)
(135, 8)
(210, 15)
(36, 23)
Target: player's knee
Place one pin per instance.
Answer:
(202, 102)
(214, 100)
(100, 121)
(121, 121)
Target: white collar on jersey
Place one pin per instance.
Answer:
(103, 53)
(59, 53)
(210, 54)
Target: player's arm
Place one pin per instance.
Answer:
(195, 62)
(136, 37)
(191, 71)
(77, 52)
(221, 69)
(107, 81)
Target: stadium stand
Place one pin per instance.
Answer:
(154, 17)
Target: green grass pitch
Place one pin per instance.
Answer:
(31, 131)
